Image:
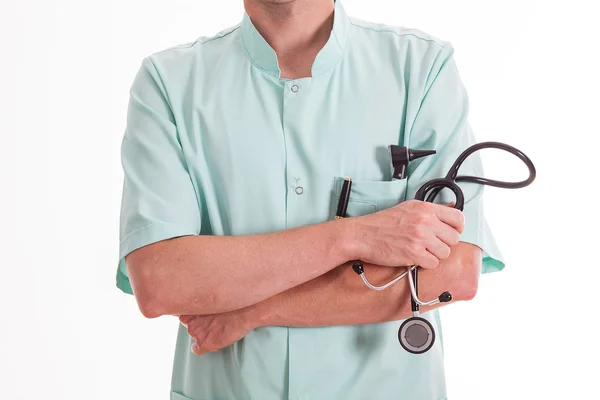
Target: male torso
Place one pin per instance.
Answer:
(267, 141)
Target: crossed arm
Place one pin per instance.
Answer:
(339, 297)
(308, 281)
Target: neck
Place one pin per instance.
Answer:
(292, 27)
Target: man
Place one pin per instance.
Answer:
(234, 154)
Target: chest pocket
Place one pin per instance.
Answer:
(367, 197)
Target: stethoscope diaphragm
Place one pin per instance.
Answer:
(416, 335)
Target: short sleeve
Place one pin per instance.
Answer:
(159, 200)
(441, 124)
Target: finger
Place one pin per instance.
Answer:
(196, 329)
(197, 350)
(450, 216)
(427, 260)
(190, 321)
(446, 234)
(438, 248)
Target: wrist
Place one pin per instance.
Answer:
(253, 317)
(348, 239)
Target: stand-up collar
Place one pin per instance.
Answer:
(264, 56)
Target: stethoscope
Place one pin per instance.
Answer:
(416, 334)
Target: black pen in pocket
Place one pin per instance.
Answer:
(344, 198)
(342, 206)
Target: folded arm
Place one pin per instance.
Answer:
(339, 297)
(216, 274)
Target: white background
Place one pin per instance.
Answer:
(531, 68)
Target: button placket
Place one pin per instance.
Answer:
(299, 196)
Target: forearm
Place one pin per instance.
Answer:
(341, 298)
(215, 274)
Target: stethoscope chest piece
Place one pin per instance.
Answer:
(416, 335)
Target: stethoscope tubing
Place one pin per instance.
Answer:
(434, 186)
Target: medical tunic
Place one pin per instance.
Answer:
(217, 143)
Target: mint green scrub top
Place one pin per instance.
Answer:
(218, 143)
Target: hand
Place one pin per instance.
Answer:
(217, 331)
(411, 233)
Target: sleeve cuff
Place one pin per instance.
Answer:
(143, 236)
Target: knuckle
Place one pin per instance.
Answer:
(411, 203)
(422, 218)
(416, 236)
(412, 240)
(420, 233)
(424, 206)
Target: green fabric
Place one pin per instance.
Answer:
(217, 143)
